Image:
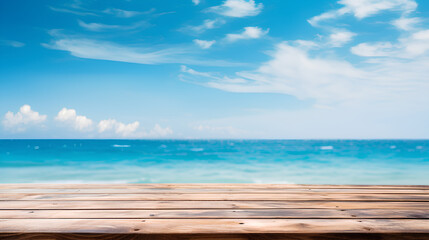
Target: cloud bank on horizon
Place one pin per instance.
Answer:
(68, 118)
(359, 67)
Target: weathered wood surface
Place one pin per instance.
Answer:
(135, 205)
(213, 211)
(217, 197)
(255, 236)
(218, 214)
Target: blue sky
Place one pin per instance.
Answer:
(214, 69)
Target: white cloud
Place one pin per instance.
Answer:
(365, 8)
(101, 50)
(78, 122)
(122, 129)
(159, 131)
(196, 2)
(86, 48)
(109, 126)
(405, 23)
(248, 33)
(238, 8)
(207, 24)
(339, 38)
(204, 44)
(326, 80)
(413, 46)
(22, 119)
(123, 13)
(98, 27)
(378, 49)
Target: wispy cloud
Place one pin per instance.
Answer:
(77, 9)
(414, 46)
(365, 8)
(204, 44)
(21, 120)
(389, 72)
(329, 81)
(237, 8)
(206, 25)
(247, 33)
(91, 49)
(98, 27)
(73, 11)
(12, 43)
(406, 23)
(340, 37)
(196, 2)
(103, 50)
(126, 13)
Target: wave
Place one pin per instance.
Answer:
(326, 147)
(121, 146)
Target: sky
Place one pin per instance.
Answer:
(218, 69)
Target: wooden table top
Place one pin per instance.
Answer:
(213, 211)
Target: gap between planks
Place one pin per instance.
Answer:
(214, 226)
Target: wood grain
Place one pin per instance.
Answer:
(286, 236)
(218, 214)
(214, 226)
(135, 205)
(216, 197)
(213, 211)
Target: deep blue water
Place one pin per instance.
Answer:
(215, 161)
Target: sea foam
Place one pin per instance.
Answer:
(121, 146)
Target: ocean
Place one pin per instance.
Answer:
(215, 161)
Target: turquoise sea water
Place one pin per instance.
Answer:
(215, 161)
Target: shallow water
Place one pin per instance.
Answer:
(215, 161)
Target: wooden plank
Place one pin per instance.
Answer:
(214, 226)
(259, 236)
(212, 214)
(213, 190)
(28, 204)
(218, 197)
(210, 186)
